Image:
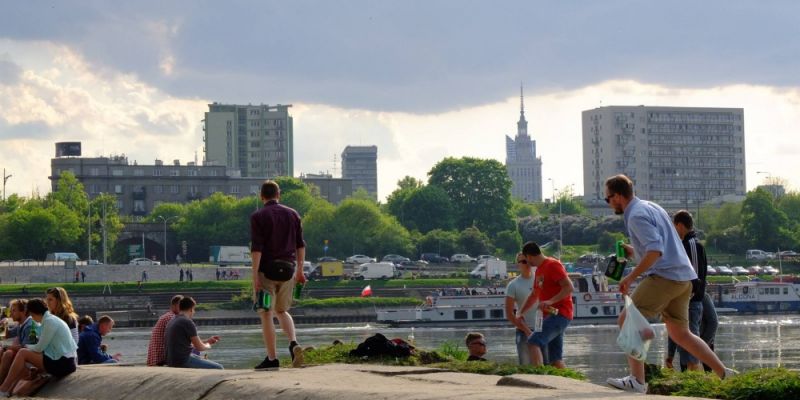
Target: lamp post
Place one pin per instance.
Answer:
(165, 234)
(5, 178)
(560, 226)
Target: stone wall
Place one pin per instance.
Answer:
(111, 273)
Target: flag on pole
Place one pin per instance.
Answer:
(366, 292)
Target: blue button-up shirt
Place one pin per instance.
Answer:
(55, 339)
(650, 229)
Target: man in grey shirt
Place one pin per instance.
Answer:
(517, 292)
(181, 337)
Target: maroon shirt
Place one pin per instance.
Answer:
(276, 232)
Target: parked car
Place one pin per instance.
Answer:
(359, 259)
(485, 257)
(326, 259)
(93, 262)
(724, 270)
(143, 261)
(739, 270)
(433, 258)
(711, 270)
(461, 258)
(788, 254)
(755, 270)
(758, 255)
(770, 270)
(395, 258)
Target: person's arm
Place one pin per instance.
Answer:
(648, 260)
(46, 335)
(566, 291)
(255, 256)
(529, 302)
(519, 323)
(299, 276)
(200, 345)
(650, 238)
(92, 344)
(256, 244)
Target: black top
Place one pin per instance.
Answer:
(697, 255)
(475, 358)
(276, 232)
(179, 340)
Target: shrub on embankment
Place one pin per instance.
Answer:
(767, 383)
(443, 358)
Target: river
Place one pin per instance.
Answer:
(743, 343)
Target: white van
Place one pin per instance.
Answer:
(755, 254)
(61, 257)
(497, 269)
(375, 270)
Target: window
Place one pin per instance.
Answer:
(138, 172)
(496, 314)
(212, 189)
(138, 206)
(175, 172)
(94, 171)
(157, 172)
(93, 189)
(460, 314)
(116, 172)
(254, 189)
(478, 314)
(118, 189)
(193, 189)
(174, 189)
(234, 189)
(192, 172)
(120, 205)
(158, 189)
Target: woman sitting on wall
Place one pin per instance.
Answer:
(59, 305)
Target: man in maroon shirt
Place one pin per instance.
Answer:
(277, 247)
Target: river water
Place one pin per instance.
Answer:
(743, 342)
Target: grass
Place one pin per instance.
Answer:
(767, 383)
(441, 358)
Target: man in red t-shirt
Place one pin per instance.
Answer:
(552, 288)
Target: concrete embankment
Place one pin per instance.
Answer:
(333, 381)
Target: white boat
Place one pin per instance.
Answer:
(592, 301)
(760, 297)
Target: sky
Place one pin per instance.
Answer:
(422, 80)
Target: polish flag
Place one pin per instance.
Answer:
(366, 292)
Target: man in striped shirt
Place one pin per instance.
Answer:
(702, 314)
(157, 349)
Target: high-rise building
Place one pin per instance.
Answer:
(678, 157)
(524, 168)
(360, 163)
(256, 140)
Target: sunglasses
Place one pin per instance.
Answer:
(522, 261)
(608, 198)
(478, 342)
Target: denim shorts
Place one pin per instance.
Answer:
(551, 338)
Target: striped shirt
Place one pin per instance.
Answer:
(157, 349)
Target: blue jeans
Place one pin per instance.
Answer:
(197, 362)
(703, 322)
(523, 352)
(551, 339)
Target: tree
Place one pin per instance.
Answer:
(522, 209)
(428, 208)
(295, 194)
(397, 199)
(69, 191)
(566, 204)
(215, 220)
(439, 241)
(409, 182)
(113, 226)
(473, 241)
(764, 225)
(480, 191)
(509, 242)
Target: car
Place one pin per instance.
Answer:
(755, 270)
(326, 259)
(770, 270)
(758, 255)
(26, 261)
(395, 258)
(724, 270)
(308, 268)
(93, 262)
(485, 257)
(359, 259)
(143, 261)
(787, 254)
(461, 258)
(711, 270)
(433, 258)
(739, 270)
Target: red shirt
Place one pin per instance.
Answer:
(546, 285)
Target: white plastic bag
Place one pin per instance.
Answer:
(636, 333)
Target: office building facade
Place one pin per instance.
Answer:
(255, 140)
(360, 164)
(679, 157)
(523, 166)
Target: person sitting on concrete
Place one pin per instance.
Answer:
(21, 334)
(54, 353)
(83, 322)
(476, 344)
(89, 343)
(156, 350)
(182, 337)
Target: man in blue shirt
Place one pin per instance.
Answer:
(21, 332)
(89, 343)
(668, 274)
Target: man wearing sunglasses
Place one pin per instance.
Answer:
(667, 285)
(517, 292)
(476, 345)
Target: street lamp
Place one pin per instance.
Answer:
(5, 178)
(560, 226)
(165, 234)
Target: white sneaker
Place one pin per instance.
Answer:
(729, 373)
(628, 383)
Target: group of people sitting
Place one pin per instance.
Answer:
(48, 337)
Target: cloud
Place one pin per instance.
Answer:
(9, 71)
(418, 56)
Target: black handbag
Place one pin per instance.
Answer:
(277, 270)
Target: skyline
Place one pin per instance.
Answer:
(136, 79)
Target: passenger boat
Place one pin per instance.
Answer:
(760, 297)
(592, 300)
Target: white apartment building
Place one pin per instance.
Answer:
(679, 157)
(256, 140)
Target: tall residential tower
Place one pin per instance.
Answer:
(524, 168)
(360, 163)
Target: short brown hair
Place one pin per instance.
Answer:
(105, 319)
(621, 185)
(472, 336)
(684, 218)
(531, 249)
(187, 303)
(20, 305)
(270, 189)
(176, 299)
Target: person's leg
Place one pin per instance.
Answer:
(551, 328)
(671, 348)
(695, 346)
(5, 363)
(268, 334)
(555, 351)
(18, 369)
(523, 350)
(199, 363)
(710, 321)
(695, 315)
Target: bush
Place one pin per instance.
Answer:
(768, 383)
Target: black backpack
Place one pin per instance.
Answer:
(379, 345)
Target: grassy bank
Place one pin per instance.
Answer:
(448, 357)
(768, 383)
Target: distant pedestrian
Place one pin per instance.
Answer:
(83, 276)
(144, 276)
(180, 279)
(77, 276)
(189, 273)
(217, 273)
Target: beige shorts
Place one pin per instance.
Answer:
(660, 296)
(281, 293)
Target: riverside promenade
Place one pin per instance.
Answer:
(330, 381)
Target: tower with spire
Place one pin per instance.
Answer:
(524, 167)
